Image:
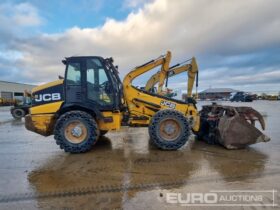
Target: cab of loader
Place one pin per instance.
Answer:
(92, 81)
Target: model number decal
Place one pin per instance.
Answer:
(48, 97)
(168, 104)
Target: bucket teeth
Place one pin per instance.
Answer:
(252, 115)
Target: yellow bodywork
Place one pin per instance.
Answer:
(114, 125)
(41, 123)
(145, 107)
(46, 108)
(47, 85)
(42, 119)
(164, 69)
(138, 108)
(44, 123)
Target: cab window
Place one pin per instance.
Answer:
(98, 85)
(73, 74)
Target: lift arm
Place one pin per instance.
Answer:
(191, 68)
(130, 92)
(154, 79)
(162, 60)
(191, 76)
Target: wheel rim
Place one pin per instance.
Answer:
(169, 129)
(18, 113)
(75, 132)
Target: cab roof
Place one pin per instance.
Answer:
(80, 58)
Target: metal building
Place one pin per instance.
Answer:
(216, 93)
(13, 90)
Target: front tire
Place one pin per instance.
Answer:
(76, 132)
(169, 129)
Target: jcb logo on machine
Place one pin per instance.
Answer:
(168, 104)
(48, 97)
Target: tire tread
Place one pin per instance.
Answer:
(68, 146)
(169, 145)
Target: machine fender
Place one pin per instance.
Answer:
(70, 107)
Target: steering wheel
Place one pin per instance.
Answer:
(104, 84)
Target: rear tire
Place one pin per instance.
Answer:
(76, 132)
(18, 113)
(169, 129)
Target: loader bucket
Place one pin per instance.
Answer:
(236, 132)
(234, 126)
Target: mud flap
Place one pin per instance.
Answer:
(232, 127)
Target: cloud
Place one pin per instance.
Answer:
(15, 23)
(24, 14)
(222, 34)
(134, 3)
(14, 17)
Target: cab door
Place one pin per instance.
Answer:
(73, 82)
(99, 86)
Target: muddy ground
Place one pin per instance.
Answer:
(123, 171)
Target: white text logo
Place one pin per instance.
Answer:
(48, 97)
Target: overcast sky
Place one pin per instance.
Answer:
(237, 43)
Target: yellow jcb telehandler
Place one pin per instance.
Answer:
(91, 100)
